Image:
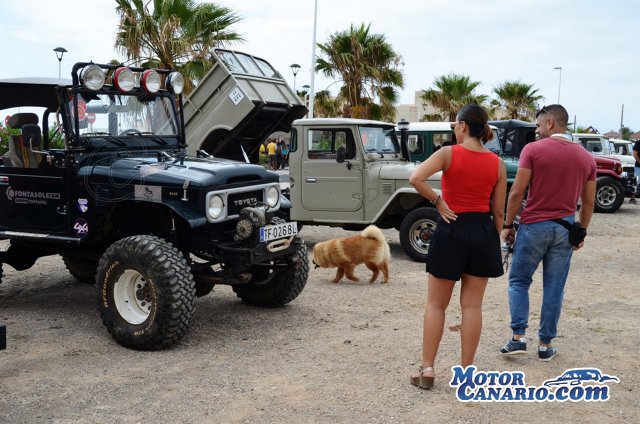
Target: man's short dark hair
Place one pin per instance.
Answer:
(559, 113)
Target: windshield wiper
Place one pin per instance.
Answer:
(149, 136)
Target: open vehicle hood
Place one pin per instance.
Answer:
(238, 103)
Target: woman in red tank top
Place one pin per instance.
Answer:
(466, 243)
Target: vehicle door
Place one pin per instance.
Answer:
(33, 190)
(332, 190)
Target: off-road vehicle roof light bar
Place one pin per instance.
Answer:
(150, 81)
(175, 83)
(124, 79)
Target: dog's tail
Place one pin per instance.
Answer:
(375, 233)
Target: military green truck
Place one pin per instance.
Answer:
(351, 173)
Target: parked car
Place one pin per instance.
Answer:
(128, 210)
(610, 188)
(425, 138)
(514, 135)
(598, 144)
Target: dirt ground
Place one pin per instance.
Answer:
(338, 353)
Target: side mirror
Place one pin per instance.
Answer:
(340, 154)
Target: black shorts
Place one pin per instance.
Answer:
(468, 245)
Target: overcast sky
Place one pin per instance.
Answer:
(597, 43)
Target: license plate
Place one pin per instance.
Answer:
(278, 231)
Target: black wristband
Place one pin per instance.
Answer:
(507, 227)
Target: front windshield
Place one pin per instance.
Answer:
(379, 139)
(118, 115)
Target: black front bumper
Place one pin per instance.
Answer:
(242, 254)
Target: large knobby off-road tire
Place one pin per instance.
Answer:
(146, 292)
(279, 284)
(84, 270)
(609, 195)
(416, 230)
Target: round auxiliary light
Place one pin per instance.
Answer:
(123, 79)
(150, 81)
(175, 83)
(272, 196)
(92, 77)
(403, 125)
(215, 206)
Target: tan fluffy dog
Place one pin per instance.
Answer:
(369, 248)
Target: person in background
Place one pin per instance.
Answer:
(558, 172)
(278, 154)
(636, 170)
(285, 155)
(466, 243)
(271, 150)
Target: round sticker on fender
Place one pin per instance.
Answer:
(81, 227)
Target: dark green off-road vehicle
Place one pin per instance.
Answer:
(127, 209)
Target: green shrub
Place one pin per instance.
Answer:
(5, 132)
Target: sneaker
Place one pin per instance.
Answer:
(546, 354)
(632, 201)
(514, 347)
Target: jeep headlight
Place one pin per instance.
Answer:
(273, 196)
(215, 206)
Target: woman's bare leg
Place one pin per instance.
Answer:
(471, 295)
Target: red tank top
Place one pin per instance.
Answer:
(468, 182)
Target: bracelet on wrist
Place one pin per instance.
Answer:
(507, 226)
(435, 202)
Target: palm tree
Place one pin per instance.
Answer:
(369, 69)
(519, 100)
(327, 106)
(177, 34)
(625, 133)
(451, 93)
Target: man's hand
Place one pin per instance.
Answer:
(508, 235)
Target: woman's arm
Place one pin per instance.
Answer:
(439, 161)
(499, 196)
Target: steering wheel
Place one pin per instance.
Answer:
(130, 131)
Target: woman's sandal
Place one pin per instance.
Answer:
(421, 380)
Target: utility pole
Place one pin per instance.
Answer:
(621, 120)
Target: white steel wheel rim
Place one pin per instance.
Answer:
(132, 297)
(421, 233)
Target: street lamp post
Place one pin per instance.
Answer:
(294, 68)
(60, 51)
(559, 68)
(306, 88)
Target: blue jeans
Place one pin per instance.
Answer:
(546, 242)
